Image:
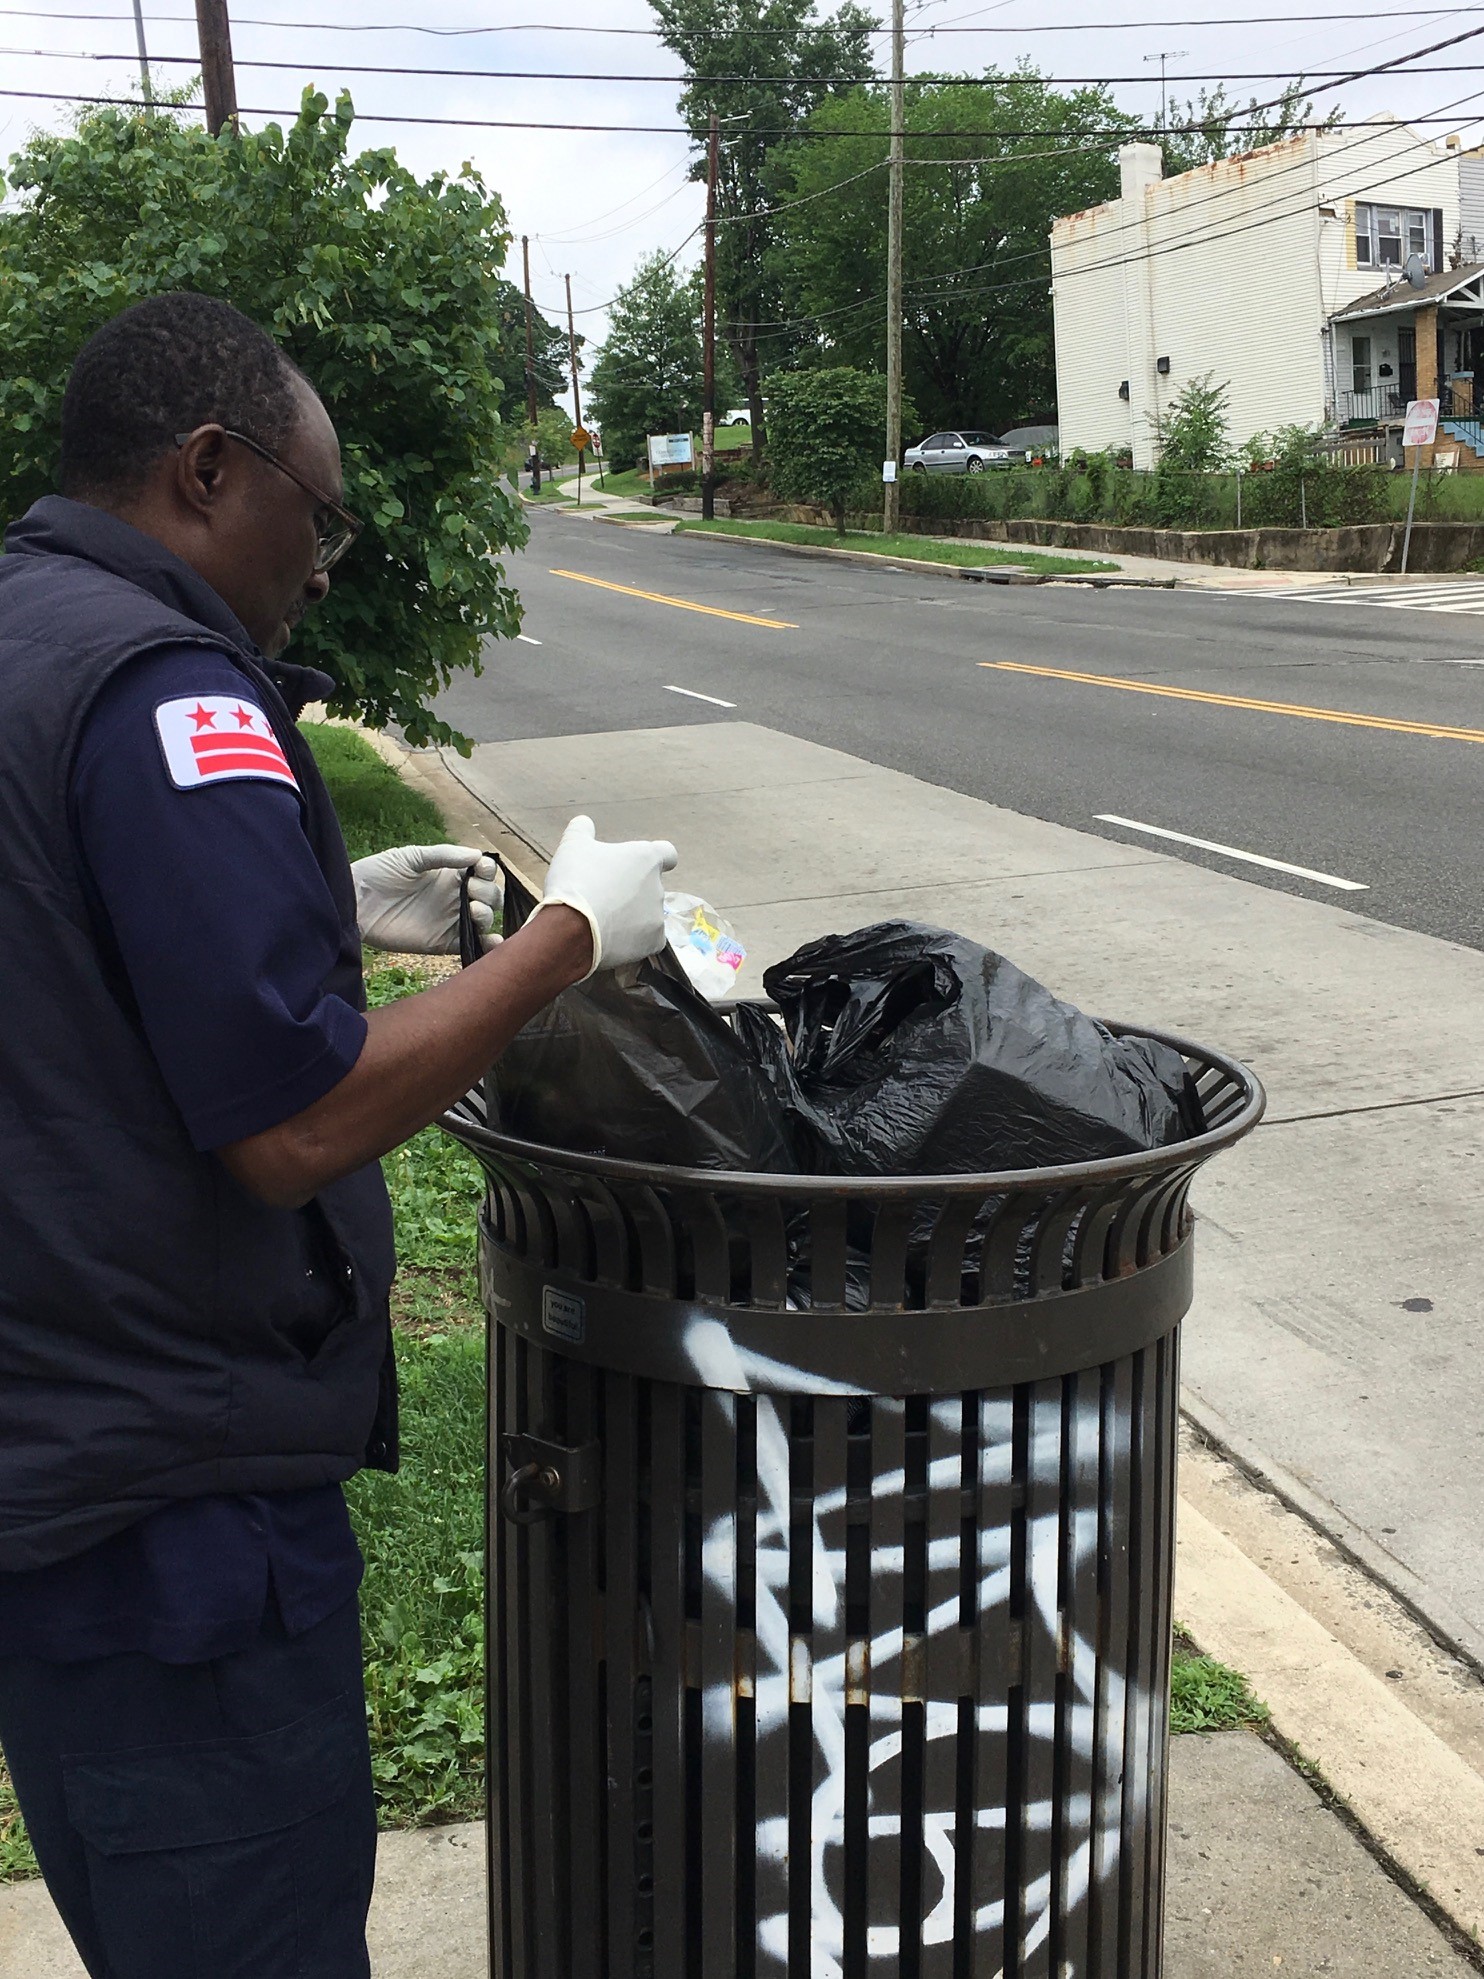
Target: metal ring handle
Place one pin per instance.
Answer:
(510, 1496)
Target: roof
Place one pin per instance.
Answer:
(1453, 284)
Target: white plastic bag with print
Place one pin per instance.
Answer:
(705, 945)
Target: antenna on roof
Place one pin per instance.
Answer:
(1416, 271)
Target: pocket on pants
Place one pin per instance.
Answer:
(231, 1858)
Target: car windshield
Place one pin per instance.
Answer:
(979, 439)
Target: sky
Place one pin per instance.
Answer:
(594, 202)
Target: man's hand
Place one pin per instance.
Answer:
(408, 899)
(618, 889)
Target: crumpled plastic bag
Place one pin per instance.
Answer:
(905, 1049)
(913, 1051)
(704, 944)
(634, 1064)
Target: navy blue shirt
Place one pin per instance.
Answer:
(221, 924)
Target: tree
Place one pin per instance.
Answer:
(826, 434)
(1194, 444)
(977, 347)
(648, 375)
(783, 50)
(548, 353)
(1209, 126)
(376, 283)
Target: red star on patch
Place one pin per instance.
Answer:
(244, 717)
(202, 717)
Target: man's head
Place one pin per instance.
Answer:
(147, 423)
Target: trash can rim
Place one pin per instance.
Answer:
(463, 1126)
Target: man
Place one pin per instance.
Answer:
(195, 1348)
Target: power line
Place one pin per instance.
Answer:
(1110, 134)
(722, 34)
(1307, 80)
(1210, 237)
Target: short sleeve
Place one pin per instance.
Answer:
(199, 865)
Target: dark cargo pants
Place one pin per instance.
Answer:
(204, 1820)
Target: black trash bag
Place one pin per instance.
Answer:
(635, 1064)
(917, 1051)
(910, 1050)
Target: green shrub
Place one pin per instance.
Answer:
(378, 284)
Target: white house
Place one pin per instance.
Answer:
(1283, 273)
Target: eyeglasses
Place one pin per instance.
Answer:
(332, 541)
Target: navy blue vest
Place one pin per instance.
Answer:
(163, 1334)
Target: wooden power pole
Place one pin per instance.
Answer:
(576, 388)
(891, 506)
(144, 76)
(525, 251)
(217, 79)
(708, 336)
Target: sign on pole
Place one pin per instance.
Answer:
(1422, 423)
(581, 438)
(671, 450)
(888, 471)
(1420, 431)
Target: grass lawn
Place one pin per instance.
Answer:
(902, 549)
(376, 808)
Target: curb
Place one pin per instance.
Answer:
(1446, 1627)
(970, 573)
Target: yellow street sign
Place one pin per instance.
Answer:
(581, 438)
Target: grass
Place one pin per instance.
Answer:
(376, 808)
(901, 549)
(1207, 1696)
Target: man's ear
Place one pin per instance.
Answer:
(200, 463)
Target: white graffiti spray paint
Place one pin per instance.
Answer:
(1094, 1708)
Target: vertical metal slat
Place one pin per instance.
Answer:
(718, 1677)
(884, 1763)
(945, 1683)
(668, 1849)
(827, 1681)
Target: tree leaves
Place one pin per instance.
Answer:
(379, 286)
(648, 375)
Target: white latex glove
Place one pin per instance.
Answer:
(618, 889)
(408, 899)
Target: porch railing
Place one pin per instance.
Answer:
(1365, 408)
(1386, 402)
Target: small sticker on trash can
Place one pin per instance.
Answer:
(563, 1317)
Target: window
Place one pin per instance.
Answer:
(1386, 236)
(1360, 364)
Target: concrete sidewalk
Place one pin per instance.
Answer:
(1262, 1876)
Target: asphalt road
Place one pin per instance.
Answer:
(909, 671)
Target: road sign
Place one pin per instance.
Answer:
(581, 438)
(1422, 423)
(888, 470)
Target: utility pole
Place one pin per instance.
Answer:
(218, 81)
(708, 337)
(576, 389)
(149, 88)
(890, 504)
(525, 250)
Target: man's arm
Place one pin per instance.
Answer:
(604, 905)
(420, 1055)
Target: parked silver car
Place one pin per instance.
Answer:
(957, 453)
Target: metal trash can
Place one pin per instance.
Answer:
(829, 1586)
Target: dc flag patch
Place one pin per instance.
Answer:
(211, 738)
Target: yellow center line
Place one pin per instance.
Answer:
(680, 604)
(1293, 708)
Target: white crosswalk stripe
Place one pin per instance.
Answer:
(1457, 594)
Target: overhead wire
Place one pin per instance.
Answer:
(1309, 80)
(721, 34)
(1213, 235)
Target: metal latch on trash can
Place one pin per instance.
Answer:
(548, 1477)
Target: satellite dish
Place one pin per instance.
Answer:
(1416, 271)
